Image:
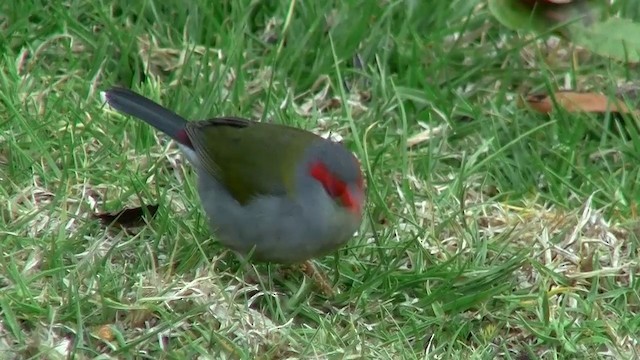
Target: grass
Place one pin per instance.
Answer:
(499, 233)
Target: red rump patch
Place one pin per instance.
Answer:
(336, 188)
(183, 138)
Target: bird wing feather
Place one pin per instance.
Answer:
(250, 158)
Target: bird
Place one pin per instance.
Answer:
(272, 192)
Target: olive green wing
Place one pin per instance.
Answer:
(250, 158)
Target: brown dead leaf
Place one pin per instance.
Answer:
(127, 217)
(571, 101)
(105, 332)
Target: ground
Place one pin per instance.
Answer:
(491, 231)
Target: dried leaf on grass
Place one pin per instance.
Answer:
(128, 217)
(319, 98)
(426, 135)
(572, 101)
(161, 60)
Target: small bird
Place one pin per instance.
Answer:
(274, 192)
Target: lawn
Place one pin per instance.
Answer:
(491, 231)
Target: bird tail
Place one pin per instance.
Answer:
(163, 119)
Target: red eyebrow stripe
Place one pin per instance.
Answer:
(332, 186)
(336, 188)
